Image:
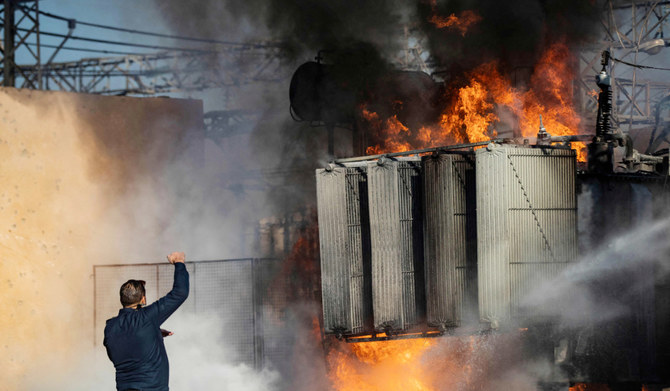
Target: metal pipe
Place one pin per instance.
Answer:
(419, 151)
(519, 140)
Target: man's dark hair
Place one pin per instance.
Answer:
(131, 292)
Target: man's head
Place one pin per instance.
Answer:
(132, 293)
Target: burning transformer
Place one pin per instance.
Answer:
(479, 238)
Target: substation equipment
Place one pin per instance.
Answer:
(467, 239)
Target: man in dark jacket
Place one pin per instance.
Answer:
(134, 339)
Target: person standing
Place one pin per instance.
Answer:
(134, 339)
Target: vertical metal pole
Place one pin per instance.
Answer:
(194, 287)
(257, 304)
(636, 39)
(158, 292)
(95, 304)
(287, 234)
(8, 77)
(37, 33)
(647, 100)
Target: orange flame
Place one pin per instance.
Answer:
(453, 363)
(392, 127)
(552, 97)
(590, 387)
(388, 365)
(473, 111)
(460, 23)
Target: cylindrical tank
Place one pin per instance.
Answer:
(316, 95)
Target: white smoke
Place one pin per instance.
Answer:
(642, 247)
(201, 360)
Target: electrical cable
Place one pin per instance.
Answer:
(149, 33)
(120, 43)
(85, 49)
(639, 66)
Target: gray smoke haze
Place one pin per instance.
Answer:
(513, 33)
(304, 26)
(507, 29)
(629, 262)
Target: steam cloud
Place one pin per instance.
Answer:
(84, 186)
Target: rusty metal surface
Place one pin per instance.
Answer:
(344, 246)
(449, 238)
(526, 224)
(394, 193)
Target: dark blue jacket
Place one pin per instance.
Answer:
(134, 342)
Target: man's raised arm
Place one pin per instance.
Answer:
(168, 304)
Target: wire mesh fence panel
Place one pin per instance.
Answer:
(273, 341)
(225, 289)
(108, 281)
(244, 297)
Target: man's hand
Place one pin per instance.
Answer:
(176, 257)
(166, 333)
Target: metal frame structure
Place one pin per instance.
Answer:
(413, 57)
(150, 74)
(20, 22)
(219, 66)
(632, 32)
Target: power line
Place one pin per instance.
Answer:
(639, 66)
(84, 49)
(149, 33)
(120, 43)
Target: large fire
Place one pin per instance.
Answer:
(383, 365)
(475, 111)
(430, 364)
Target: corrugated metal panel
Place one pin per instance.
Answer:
(359, 250)
(396, 241)
(344, 245)
(526, 224)
(449, 237)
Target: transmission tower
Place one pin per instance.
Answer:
(634, 33)
(20, 24)
(228, 66)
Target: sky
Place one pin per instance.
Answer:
(141, 15)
